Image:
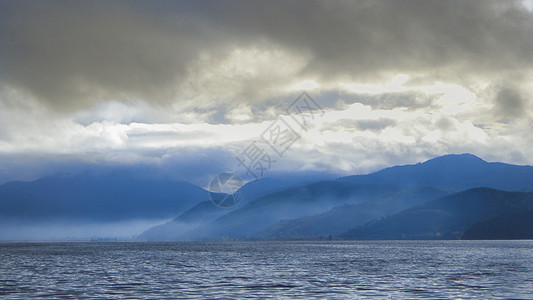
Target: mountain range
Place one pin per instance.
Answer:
(338, 208)
(448, 197)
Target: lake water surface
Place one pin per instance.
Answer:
(358, 269)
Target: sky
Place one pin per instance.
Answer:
(189, 86)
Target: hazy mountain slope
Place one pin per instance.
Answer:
(517, 225)
(179, 228)
(342, 218)
(95, 197)
(447, 217)
(206, 212)
(456, 172)
(451, 173)
(279, 182)
(292, 203)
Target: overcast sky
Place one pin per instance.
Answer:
(189, 85)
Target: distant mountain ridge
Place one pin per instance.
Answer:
(112, 195)
(455, 171)
(96, 197)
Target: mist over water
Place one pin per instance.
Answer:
(363, 269)
(74, 230)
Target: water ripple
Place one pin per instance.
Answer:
(302, 270)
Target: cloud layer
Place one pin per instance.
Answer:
(400, 81)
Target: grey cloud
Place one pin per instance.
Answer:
(408, 100)
(270, 107)
(361, 125)
(444, 124)
(509, 103)
(362, 38)
(72, 54)
(374, 125)
(142, 138)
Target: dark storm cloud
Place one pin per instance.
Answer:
(72, 54)
(362, 38)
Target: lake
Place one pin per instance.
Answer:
(292, 269)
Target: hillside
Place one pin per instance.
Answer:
(511, 226)
(445, 218)
(338, 219)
